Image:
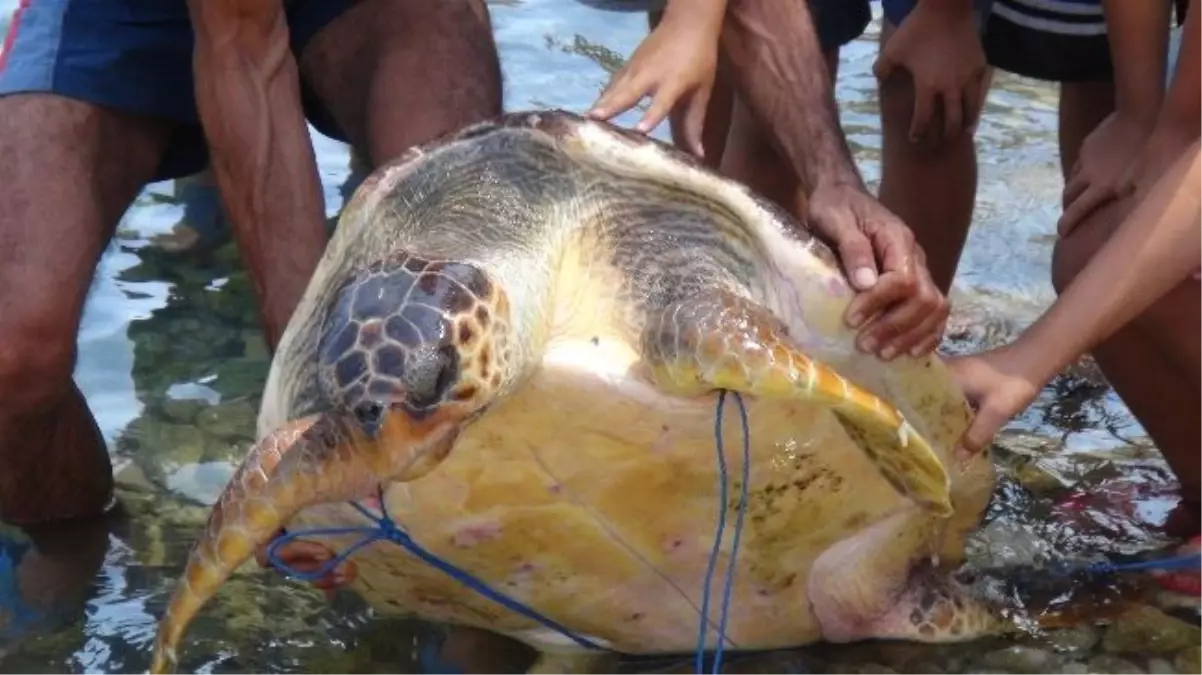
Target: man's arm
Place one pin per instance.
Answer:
(248, 95)
(780, 71)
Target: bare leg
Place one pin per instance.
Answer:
(70, 171)
(1083, 106)
(931, 187)
(1154, 363)
(374, 67)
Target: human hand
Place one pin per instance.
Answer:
(999, 384)
(898, 309)
(942, 51)
(1104, 170)
(310, 556)
(676, 66)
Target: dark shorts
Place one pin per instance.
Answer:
(837, 21)
(135, 56)
(1054, 40)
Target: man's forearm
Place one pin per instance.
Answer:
(782, 77)
(247, 92)
(1138, 33)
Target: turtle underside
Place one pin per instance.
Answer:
(574, 296)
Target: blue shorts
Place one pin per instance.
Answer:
(135, 56)
(17, 618)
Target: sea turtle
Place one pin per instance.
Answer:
(519, 331)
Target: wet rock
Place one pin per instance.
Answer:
(858, 668)
(1074, 668)
(1038, 478)
(240, 377)
(1011, 544)
(201, 482)
(183, 411)
(897, 655)
(1189, 660)
(1161, 666)
(1076, 641)
(934, 669)
(1105, 663)
(129, 476)
(253, 345)
(1020, 659)
(166, 443)
(231, 420)
(1147, 630)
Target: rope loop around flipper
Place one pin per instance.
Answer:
(384, 528)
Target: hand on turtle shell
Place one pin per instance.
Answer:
(308, 556)
(676, 66)
(898, 309)
(999, 386)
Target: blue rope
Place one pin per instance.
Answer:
(1179, 562)
(386, 529)
(728, 586)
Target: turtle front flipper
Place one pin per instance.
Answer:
(724, 341)
(316, 460)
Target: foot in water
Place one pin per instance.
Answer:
(205, 224)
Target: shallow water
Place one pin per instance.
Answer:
(172, 363)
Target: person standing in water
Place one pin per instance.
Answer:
(1127, 258)
(100, 97)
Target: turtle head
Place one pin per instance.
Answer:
(411, 351)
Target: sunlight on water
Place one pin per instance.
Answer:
(172, 363)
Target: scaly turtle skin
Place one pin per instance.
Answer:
(519, 331)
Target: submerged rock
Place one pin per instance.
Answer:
(229, 420)
(1105, 663)
(1189, 660)
(1075, 641)
(1160, 666)
(1020, 659)
(1147, 630)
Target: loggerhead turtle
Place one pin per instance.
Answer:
(519, 332)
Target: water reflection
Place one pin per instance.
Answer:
(173, 364)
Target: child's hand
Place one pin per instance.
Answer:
(675, 66)
(1000, 387)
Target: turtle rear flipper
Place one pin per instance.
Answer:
(724, 341)
(861, 588)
